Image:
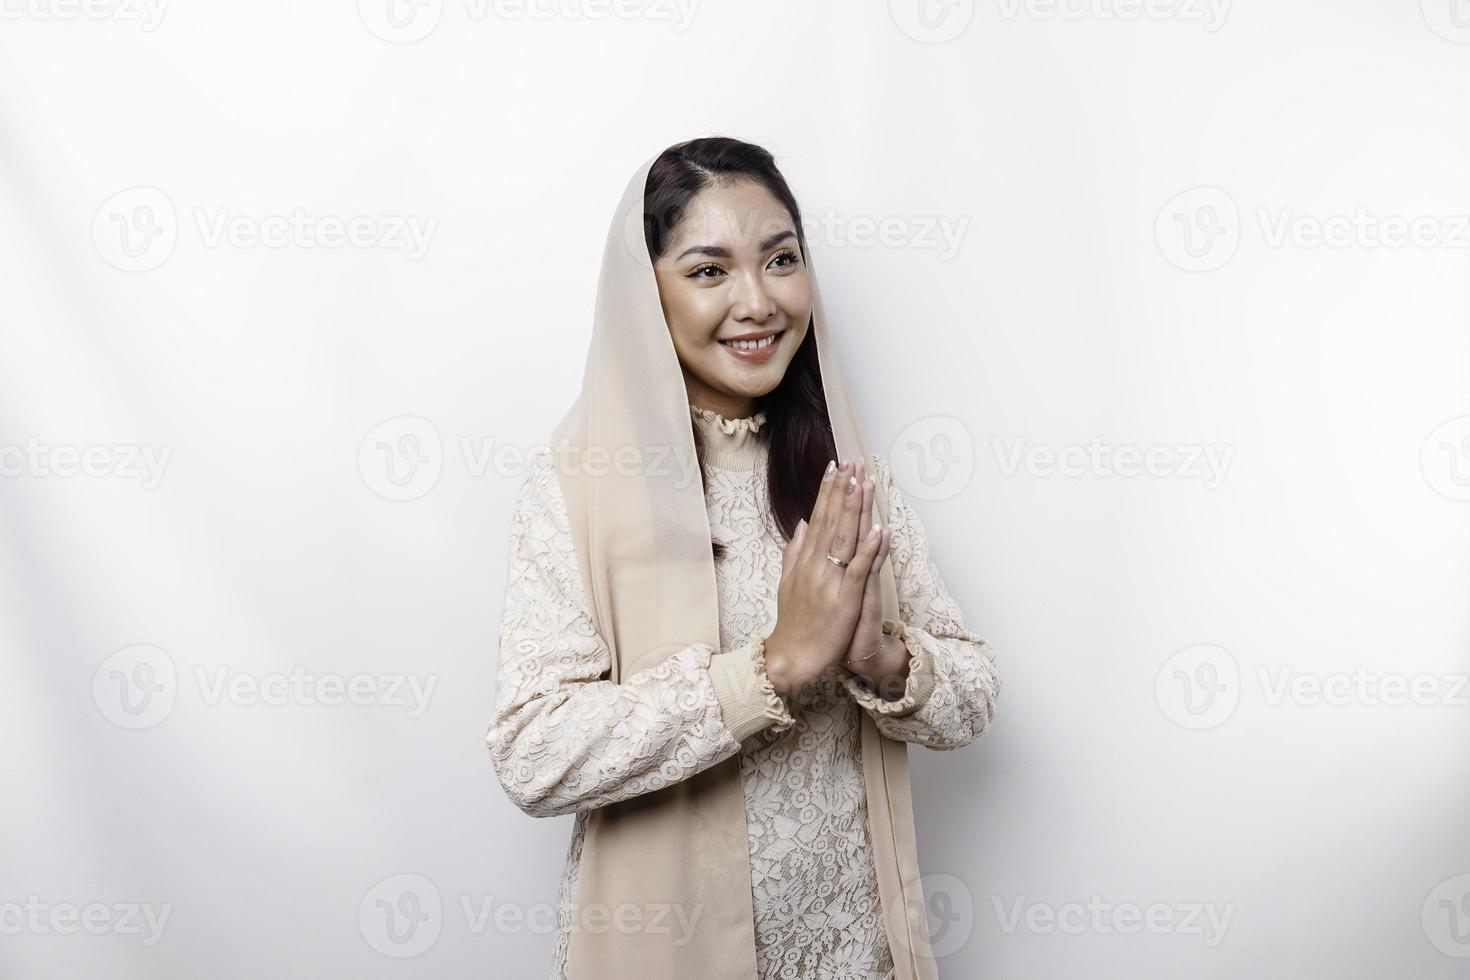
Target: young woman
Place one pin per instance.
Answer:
(704, 652)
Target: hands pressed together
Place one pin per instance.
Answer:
(826, 612)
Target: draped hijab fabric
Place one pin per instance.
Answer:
(663, 888)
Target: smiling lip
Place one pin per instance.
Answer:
(758, 356)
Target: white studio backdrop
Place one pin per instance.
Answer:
(1159, 308)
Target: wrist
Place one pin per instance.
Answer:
(890, 661)
(888, 650)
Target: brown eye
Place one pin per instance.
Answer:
(708, 266)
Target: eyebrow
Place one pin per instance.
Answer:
(721, 252)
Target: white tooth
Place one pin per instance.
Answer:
(754, 344)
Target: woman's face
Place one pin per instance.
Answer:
(733, 270)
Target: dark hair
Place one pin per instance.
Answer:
(798, 430)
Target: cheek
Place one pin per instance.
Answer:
(794, 295)
(693, 314)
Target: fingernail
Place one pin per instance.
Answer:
(873, 534)
(831, 467)
(851, 485)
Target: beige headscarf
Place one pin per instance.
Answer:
(630, 478)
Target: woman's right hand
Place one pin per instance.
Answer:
(818, 602)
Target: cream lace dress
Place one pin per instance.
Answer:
(564, 740)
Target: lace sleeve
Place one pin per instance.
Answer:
(952, 686)
(565, 739)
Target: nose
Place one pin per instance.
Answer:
(752, 303)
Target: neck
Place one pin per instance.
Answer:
(731, 444)
(730, 406)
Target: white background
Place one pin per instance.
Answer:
(1135, 199)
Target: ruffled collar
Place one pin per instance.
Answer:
(731, 444)
(751, 423)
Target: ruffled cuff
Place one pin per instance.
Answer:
(917, 687)
(748, 699)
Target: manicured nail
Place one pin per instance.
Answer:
(831, 468)
(851, 485)
(873, 534)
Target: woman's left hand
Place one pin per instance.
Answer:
(867, 635)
